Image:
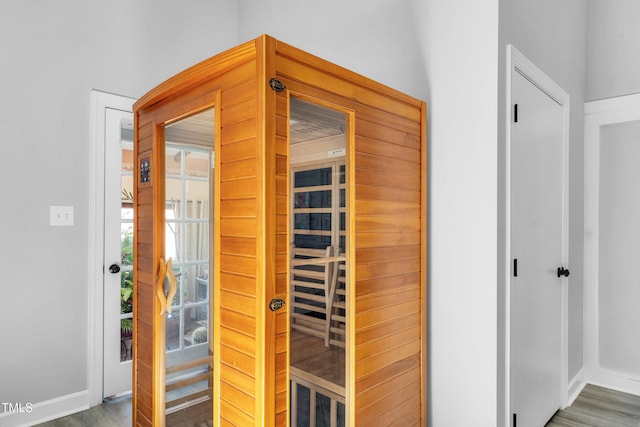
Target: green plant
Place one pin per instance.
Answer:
(200, 335)
(126, 279)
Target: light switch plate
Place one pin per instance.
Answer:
(61, 216)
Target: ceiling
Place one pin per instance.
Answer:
(308, 122)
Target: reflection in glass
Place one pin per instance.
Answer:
(317, 307)
(126, 251)
(188, 241)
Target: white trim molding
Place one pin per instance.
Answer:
(36, 413)
(100, 102)
(598, 114)
(576, 386)
(518, 63)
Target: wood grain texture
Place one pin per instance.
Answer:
(386, 171)
(386, 217)
(228, 82)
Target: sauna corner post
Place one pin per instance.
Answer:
(266, 211)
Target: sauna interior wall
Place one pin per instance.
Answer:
(231, 78)
(387, 187)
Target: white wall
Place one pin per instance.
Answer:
(376, 38)
(619, 249)
(51, 56)
(552, 35)
(423, 48)
(461, 40)
(429, 49)
(613, 62)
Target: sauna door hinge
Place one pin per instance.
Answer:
(277, 85)
(515, 267)
(515, 113)
(515, 420)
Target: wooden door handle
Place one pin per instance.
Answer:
(173, 285)
(162, 272)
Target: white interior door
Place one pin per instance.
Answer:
(536, 244)
(118, 251)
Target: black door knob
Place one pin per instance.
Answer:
(563, 272)
(115, 268)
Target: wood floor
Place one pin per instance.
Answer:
(112, 413)
(595, 407)
(600, 407)
(308, 354)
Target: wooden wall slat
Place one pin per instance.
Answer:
(239, 227)
(373, 363)
(382, 284)
(243, 362)
(383, 329)
(241, 400)
(366, 240)
(383, 179)
(291, 68)
(369, 318)
(373, 255)
(241, 342)
(387, 344)
(286, 50)
(385, 269)
(239, 131)
(385, 411)
(239, 264)
(366, 192)
(386, 163)
(387, 224)
(387, 150)
(245, 168)
(363, 112)
(238, 189)
(239, 240)
(237, 302)
(379, 207)
(237, 283)
(400, 367)
(238, 149)
(243, 91)
(382, 390)
(238, 208)
(390, 298)
(237, 112)
(233, 415)
(238, 320)
(394, 137)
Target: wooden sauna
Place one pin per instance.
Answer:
(280, 234)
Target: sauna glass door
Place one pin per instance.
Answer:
(188, 213)
(318, 276)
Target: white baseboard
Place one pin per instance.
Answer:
(576, 385)
(614, 380)
(35, 413)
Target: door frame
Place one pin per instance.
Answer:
(518, 63)
(597, 114)
(100, 102)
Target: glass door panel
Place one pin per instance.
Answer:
(188, 243)
(118, 253)
(318, 317)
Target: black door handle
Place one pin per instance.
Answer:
(115, 268)
(563, 272)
